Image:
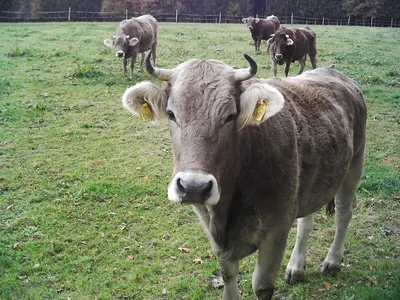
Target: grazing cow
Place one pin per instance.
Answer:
(290, 44)
(134, 36)
(261, 29)
(252, 155)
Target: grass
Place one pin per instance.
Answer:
(83, 203)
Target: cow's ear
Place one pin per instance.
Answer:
(289, 41)
(244, 20)
(258, 103)
(108, 43)
(257, 20)
(133, 41)
(146, 101)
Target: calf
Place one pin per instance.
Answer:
(290, 44)
(134, 36)
(261, 29)
(252, 155)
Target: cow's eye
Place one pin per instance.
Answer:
(171, 115)
(229, 118)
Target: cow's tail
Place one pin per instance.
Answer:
(330, 208)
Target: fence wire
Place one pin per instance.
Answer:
(89, 16)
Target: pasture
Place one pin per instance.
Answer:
(83, 185)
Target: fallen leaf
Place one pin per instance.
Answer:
(209, 255)
(185, 250)
(131, 257)
(16, 245)
(327, 284)
(164, 291)
(197, 261)
(172, 257)
(36, 266)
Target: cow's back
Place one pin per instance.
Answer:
(325, 118)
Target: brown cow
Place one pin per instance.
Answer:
(261, 29)
(134, 36)
(252, 155)
(290, 44)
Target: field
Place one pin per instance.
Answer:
(83, 201)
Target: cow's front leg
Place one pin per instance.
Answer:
(274, 67)
(133, 61)
(229, 271)
(141, 61)
(125, 63)
(302, 62)
(287, 67)
(297, 263)
(271, 250)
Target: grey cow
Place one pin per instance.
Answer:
(252, 155)
(134, 36)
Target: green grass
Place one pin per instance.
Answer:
(83, 203)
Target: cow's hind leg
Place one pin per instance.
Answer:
(345, 202)
(154, 52)
(229, 271)
(297, 263)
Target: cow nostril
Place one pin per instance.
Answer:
(207, 190)
(181, 187)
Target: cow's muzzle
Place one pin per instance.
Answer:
(119, 54)
(194, 188)
(278, 56)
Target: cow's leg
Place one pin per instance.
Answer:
(297, 263)
(125, 63)
(133, 61)
(154, 52)
(143, 54)
(229, 271)
(313, 59)
(271, 250)
(287, 67)
(274, 67)
(302, 62)
(345, 202)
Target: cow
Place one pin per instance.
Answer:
(134, 36)
(261, 29)
(288, 45)
(252, 155)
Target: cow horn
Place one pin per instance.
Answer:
(162, 74)
(287, 36)
(244, 74)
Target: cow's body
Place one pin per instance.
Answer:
(134, 36)
(288, 45)
(261, 29)
(249, 185)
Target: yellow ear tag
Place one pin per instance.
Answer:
(146, 113)
(259, 111)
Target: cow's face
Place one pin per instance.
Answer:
(205, 110)
(251, 22)
(278, 43)
(121, 44)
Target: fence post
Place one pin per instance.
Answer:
(69, 14)
(176, 16)
(220, 16)
(391, 23)
(323, 20)
(291, 19)
(371, 21)
(348, 21)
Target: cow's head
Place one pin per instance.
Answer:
(205, 108)
(121, 44)
(251, 22)
(278, 44)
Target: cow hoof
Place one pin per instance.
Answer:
(330, 268)
(217, 282)
(294, 276)
(265, 294)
